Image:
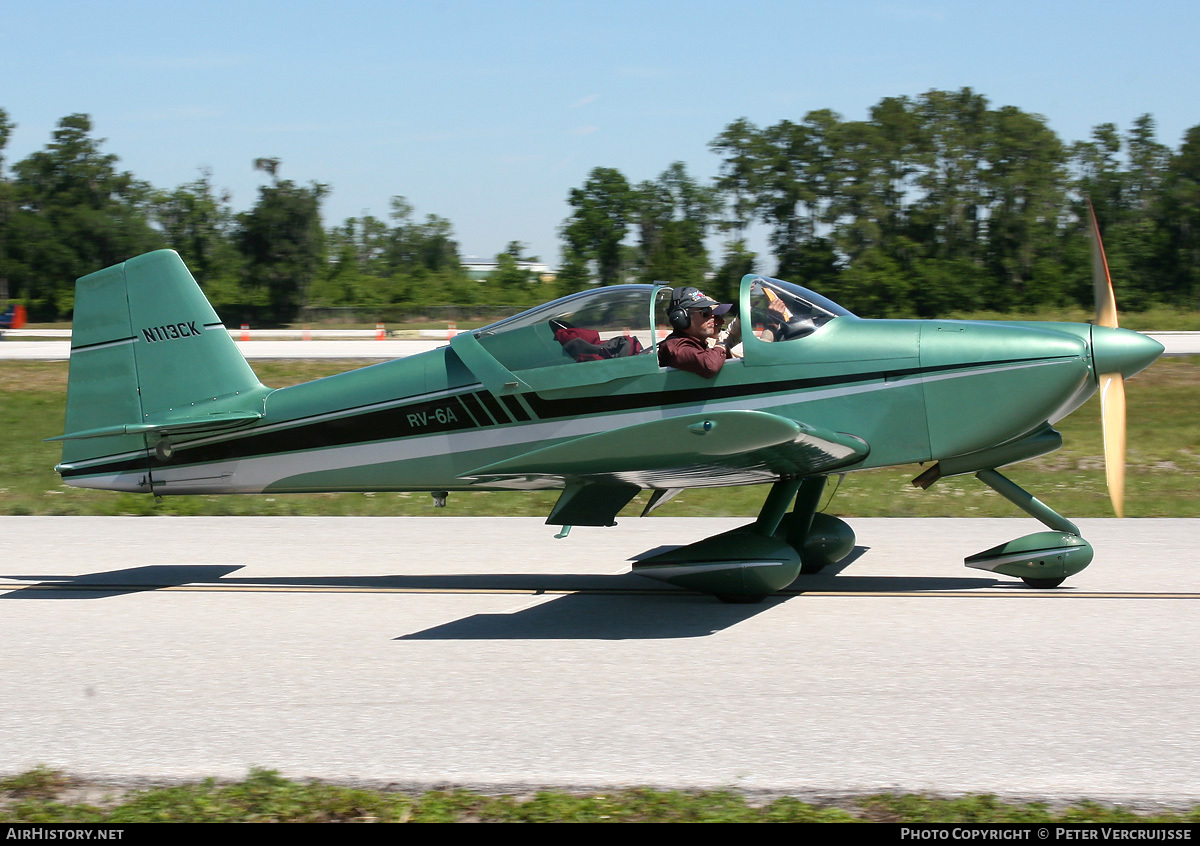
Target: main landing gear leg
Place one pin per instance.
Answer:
(820, 539)
(775, 506)
(1041, 560)
(752, 562)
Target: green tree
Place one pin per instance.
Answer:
(420, 246)
(674, 214)
(603, 211)
(1125, 177)
(1025, 181)
(790, 193)
(75, 213)
(199, 224)
(436, 249)
(512, 284)
(421, 259)
(741, 148)
(782, 176)
(1179, 222)
(282, 243)
(951, 139)
(355, 272)
(933, 203)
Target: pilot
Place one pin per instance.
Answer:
(693, 345)
(779, 316)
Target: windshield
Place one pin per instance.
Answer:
(781, 311)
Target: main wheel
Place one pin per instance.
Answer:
(1043, 583)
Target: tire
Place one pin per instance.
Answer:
(1044, 584)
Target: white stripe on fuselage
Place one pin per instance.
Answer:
(253, 474)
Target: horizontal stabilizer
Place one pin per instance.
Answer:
(194, 425)
(692, 450)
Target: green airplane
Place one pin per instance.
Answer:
(570, 396)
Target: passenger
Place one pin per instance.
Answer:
(693, 346)
(586, 345)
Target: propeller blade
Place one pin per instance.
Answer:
(1112, 414)
(1112, 385)
(1106, 301)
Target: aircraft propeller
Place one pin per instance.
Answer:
(1112, 385)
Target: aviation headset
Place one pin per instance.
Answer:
(677, 312)
(677, 315)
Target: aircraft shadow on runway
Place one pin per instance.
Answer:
(669, 613)
(593, 606)
(116, 582)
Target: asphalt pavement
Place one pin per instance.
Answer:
(483, 652)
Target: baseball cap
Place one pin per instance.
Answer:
(690, 297)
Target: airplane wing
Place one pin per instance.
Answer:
(602, 472)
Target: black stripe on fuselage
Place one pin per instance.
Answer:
(515, 408)
(475, 401)
(428, 417)
(473, 408)
(422, 418)
(493, 407)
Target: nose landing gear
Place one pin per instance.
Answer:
(1042, 560)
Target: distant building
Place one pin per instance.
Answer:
(481, 268)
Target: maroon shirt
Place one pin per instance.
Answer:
(691, 354)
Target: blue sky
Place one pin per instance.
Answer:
(488, 112)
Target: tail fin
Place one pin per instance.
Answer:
(150, 358)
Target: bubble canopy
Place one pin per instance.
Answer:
(622, 321)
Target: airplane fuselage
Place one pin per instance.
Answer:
(422, 422)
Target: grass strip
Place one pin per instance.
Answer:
(44, 796)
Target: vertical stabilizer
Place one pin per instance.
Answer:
(149, 354)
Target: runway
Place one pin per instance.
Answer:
(483, 652)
